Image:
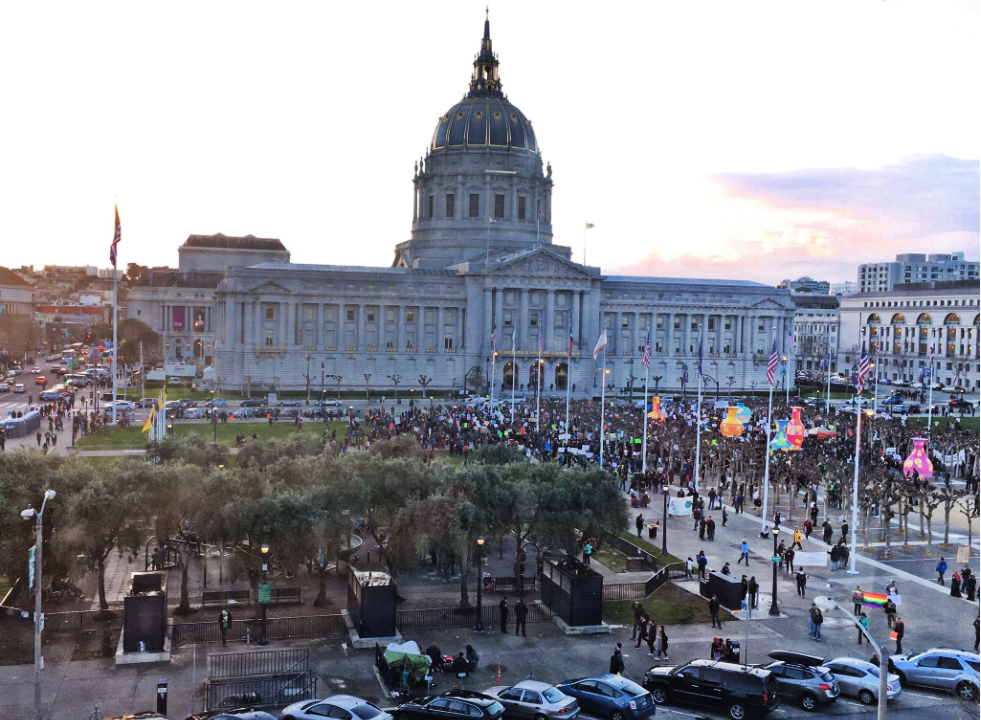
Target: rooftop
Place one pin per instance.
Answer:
(685, 281)
(284, 267)
(9, 277)
(249, 242)
(175, 278)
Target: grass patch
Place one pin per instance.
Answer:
(668, 559)
(97, 645)
(670, 605)
(16, 642)
(967, 422)
(131, 437)
(4, 587)
(611, 558)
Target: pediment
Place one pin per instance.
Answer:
(271, 288)
(768, 304)
(539, 263)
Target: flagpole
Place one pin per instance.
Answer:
(538, 384)
(827, 405)
(602, 407)
(493, 366)
(514, 375)
(930, 401)
(568, 385)
(115, 349)
(647, 378)
(858, 447)
(766, 471)
(698, 414)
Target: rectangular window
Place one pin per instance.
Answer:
(507, 318)
(474, 205)
(430, 316)
(677, 323)
(499, 206)
(270, 312)
(533, 319)
(522, 207)
(410, 341)
(390, 339)
(370, 315)
(351, 337)
(390, 314)
(430, 340)
(448, 343)
(309, 313)
(330, 337)
(450, 204)
(270, 337)
(711, 324)
(410, 316)
(331, 313)
(350, 315)
(199, 319)
(430, 201)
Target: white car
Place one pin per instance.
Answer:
(11, 374)
(19, 388)
(35, 370)
(860, 679)
(120, 405)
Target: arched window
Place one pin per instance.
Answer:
(509, 376)
(561, 376)
(873, 319)
(924, 319)
(953, 319)
(898, 319)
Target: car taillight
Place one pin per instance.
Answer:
(633, 705)
(825, 687)
(765, 699)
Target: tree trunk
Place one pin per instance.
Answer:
(464, 576)
(947, 524)
(929, 529)
(321, 599)
(103, 605)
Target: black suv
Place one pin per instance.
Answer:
(741, 691)
(461, 703)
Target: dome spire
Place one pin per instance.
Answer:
(486, 81)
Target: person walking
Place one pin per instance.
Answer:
(664, 640)
(640, 524)
(857, 597)
(521, 618)
(702, 564)
(744, 593)
(863, 620)
(835, 553)
(616, 661)
(899, 628)
(689, 567)
(743, 552)
(890, 610)
(797, 540)
(801, 583)
(941, 569)
(828, 531)
(955, 584)
(224, 623)
(714, 606)
(504, 614)
(638, 616)
(710, 527)
(817, 619)
(587, 552)
(788, 559)
(658, 640)
(642, 630)
(977, 633)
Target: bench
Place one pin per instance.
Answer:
(287, 595)
(224, 597)
(506, 584)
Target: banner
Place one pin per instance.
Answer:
(810, 559)
(679, 506)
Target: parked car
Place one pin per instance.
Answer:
(290, 402)
(194, 414)
(894, 400)
(465, 703)
(535, 700)
(145, 402)
(253, 402)
(943, 669)
(736, 689)
(186, 403)
(216, 402)
(802, 678)
(4, 387)
(330, 402)
(610, 696)
(19, 388)
(243, 413)
(121, 405)
(342, 707)
(955, 389)
(236, 714)
(860, 678)
(35, 370)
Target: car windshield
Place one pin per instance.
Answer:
(553, 695)
(633, 689)
(495, 709)
(366, 711)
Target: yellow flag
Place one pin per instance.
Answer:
(149, 420)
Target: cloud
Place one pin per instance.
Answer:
(824, 222)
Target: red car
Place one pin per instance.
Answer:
(40, 380)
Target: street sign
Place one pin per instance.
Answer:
(775, 558)
(30, 567)
(42, 622)
(265, 593)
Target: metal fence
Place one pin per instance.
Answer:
(262, 662)
(277, 628)
(82, 621)
(260, 692)
(624, 591)
(454, 617)
(631, 551)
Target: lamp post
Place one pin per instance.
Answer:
(396, 379)
(774, 610)
(263, 636)
(367, 378)
(479, 625)
(214, 419)
(664, 521)
(323, 410)
(38, 542)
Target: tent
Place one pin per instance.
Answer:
(408, 657)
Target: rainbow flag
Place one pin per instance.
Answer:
(874, 600)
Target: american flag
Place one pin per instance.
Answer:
(572, 342)
(771, 366)
(863, 370)
(115, 240)
(494, 338)
(647, 350)
(933, 349)
(541, 343)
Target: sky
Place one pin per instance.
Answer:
(750, 140)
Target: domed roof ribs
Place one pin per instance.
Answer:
(486, 81)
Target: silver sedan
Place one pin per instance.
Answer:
(535, 701)
(860, 679)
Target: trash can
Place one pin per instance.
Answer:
(734, 656)
(652, 531)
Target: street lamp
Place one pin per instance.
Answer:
(479, 626)
(214, 420)
(263, 636)
(38, 542)
(664, 521)
(774, 610)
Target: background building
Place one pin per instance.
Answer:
(912, 323)
(807, 285)
(848, 287)
(816, 325)
(915, 268)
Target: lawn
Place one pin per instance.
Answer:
(16, 642)
(611, 558)
(967, 422)
(131, 437)
(669, 605)
(668, 559)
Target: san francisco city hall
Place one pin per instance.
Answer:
(481, 256)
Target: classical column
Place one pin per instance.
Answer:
(576, 299)
(636, 333)
(686, 332)
(488, 316)
(440, 329)
(549, 330)
(499, 315)
(523, 321)
(361, 342)
(400, 324)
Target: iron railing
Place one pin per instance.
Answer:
(260, 691)
(454, 617)
(77, 621)
(278, 628)
(263, 662)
